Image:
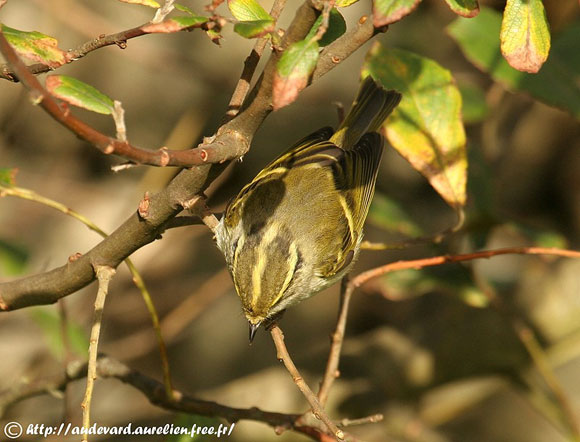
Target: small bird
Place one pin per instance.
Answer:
(296, 228)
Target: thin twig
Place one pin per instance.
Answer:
(104, 275)
(438, 260)
(107, 145)
(317, 409)
(163, 11)
(250, 64)
(332, 372)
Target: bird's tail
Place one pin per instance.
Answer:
(369, 111)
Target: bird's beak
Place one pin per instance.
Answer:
(253, 330)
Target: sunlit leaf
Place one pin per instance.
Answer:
(248, 10)
(557, 83)
(175, 24)
(525, 36)
(293, 71)
(35, 46)
(79, 94)
(466, 8)
(150, 3)
(386, 12)
(426, 127)
(336, 28)
(50, 323)
(344, 3)
(389, 215)
(254, 29)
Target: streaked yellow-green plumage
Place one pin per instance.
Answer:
(297, 227)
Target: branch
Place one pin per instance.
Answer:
(154, 391)
(438, 260)
(104, 274)
(332, 372)
(317, 409)
(232, 140)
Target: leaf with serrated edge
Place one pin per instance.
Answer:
(174, 24)
(248, 10)
(426, 127)
(465, 8)
(79, 94)
(525, 36)
(336, 28)
(254, 29)
(35, 46)
(150, 3)
(386, 12)
(557, 83)
(292, 72)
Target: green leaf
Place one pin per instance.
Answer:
(525, 36)
(344, 3)
(79, 94)
(465, 8)
(13, 258)
(175, 24)
(389, 215)
(50, 323)
(7, 176)
(248, 10)
(426, 127)
(183, 8)
(150, 3)
(336, 28)
(558, 83)
(254, 29)
(475, 108)
(35, 46)
(293, 71)
(386, 12)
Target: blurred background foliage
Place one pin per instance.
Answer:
(422, 347)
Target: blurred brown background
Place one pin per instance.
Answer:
(439, 368)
